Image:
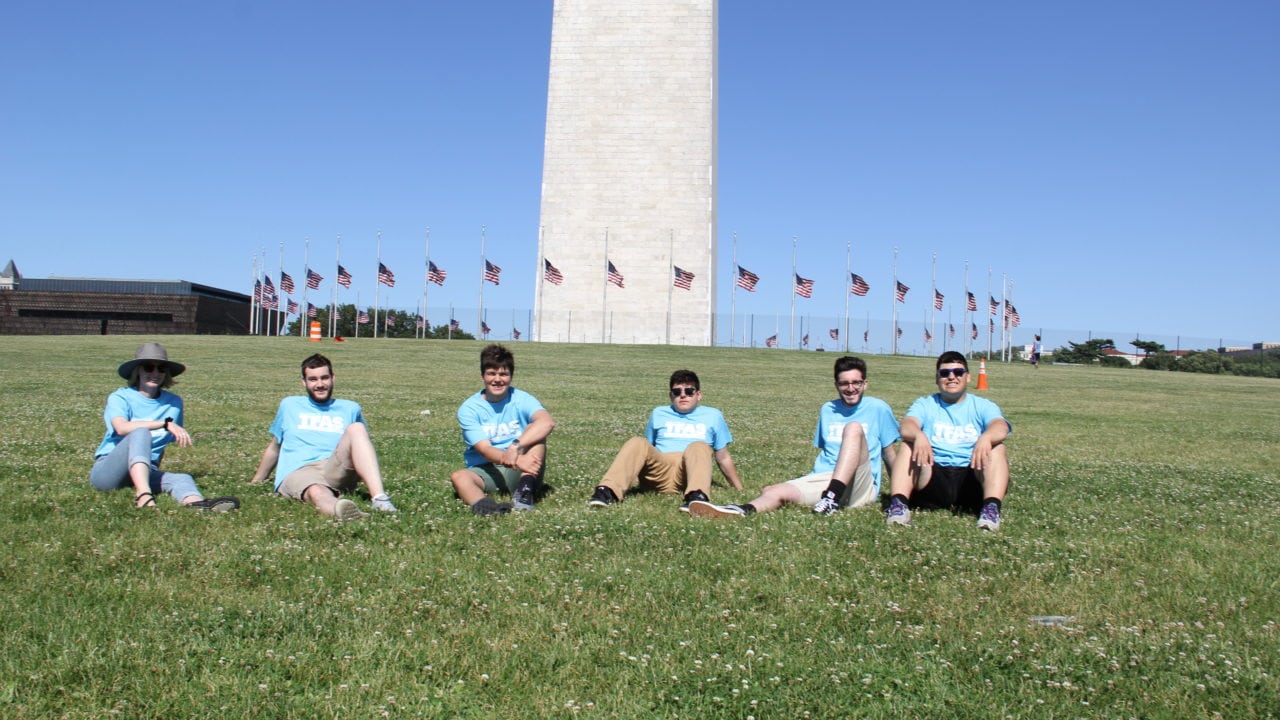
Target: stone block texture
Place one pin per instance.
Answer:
(629, 172)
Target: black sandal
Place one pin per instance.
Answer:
(149, 502)
(226, 503)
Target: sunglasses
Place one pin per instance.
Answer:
(687, 391)
(154, 367)
(952, 372)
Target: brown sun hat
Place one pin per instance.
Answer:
(151, 352)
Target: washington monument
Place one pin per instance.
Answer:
(627, 243)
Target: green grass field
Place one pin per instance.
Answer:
(1144, 506)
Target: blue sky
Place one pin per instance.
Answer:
(1119, 162)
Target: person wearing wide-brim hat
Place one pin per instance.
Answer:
(142, 418)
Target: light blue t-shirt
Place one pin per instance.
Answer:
(669, 431)
(878, 425)
(130, 404)
(953, 429)
(500, 423)
(309, 431)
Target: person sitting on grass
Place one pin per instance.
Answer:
(854, 437)
(320, 448)
(142, 419)
(675, 454)
(954, 455)
(505, 430)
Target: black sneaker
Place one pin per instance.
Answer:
(693, 496)
(602, 497)
(226, 503)
(523, 496)
(486, 506)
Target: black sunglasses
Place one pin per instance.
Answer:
(155, 367)
(952, 372)
(677, 392)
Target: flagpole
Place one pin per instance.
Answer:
(426, 265)
(964, 342)
(990, 324)
(733, 290)
(893, 298)
(305, 325)
(357, 317)
(848, 289)
(792, 339)
(604, 291)
(333, 309)
(253, 296)
(266, 276)
(541, 270)
(671, 271)
(483, 267)
(933, 303)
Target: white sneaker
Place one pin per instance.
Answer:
(827, 506)
(346, 510)
(702, 508)
(382, 503)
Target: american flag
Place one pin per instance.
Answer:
(613, 276)
(804, 341)
(550, 273)
(314, 279)
(385, 276)
(257, 291)
(974, 333)
(292, 308)
(1014, 316)
(363, 318)
(928, 336)
(270, 302)
(866, 336)
(951, 330)
(901, 292)
(747, 280)
(771, 341)
(286, 282)
(484, 328)
(991, 326)
(995, 306)
(972, 302)
(390, 319)
(268, 290)
(834, 333)
(455, 325)
(859, 286)
(684, 278)
(491, 272)
(420, 323)
(344, 277)
(312, 311)
(937, 299)
(515, 333)
(804, 287)
(899, 331)
(435, 274)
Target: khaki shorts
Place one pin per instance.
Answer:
(862, 491)
(330, 472)
(497, 478)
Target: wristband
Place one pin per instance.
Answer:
(165, 427)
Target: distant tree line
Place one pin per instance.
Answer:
(401, 324)
(1157, 357)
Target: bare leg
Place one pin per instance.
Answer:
(356, 448)
(468, 485)
(775, 496)
(995, 476)
(322, 498)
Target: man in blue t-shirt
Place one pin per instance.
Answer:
(854, 437)
(505, 430)
(675, 454)
(320, 448)
(954, 455)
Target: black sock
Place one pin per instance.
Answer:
(992, 501)
(900, 496)
(748, 508)
(835, 489)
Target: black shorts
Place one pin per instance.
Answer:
(950, 488)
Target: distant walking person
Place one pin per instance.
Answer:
(675, 454)
(505, 430)
(954, 454)
(854, 436)
(1035, 353)
(142, 419)
(320, 448)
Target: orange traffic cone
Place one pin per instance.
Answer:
(982, 374)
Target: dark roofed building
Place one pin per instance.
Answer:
(91, 306)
